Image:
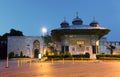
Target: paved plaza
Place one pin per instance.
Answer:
(59, 69)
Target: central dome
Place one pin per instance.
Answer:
(77, 21)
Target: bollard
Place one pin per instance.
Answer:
(25, 61)
(82, 59)
(63, 61)
(30, 63)
(18, 63)
(6, 62)
(79, 59)
(52, 60)
(73, 61)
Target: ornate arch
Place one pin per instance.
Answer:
(36, 48)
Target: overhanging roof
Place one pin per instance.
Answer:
(57, 33)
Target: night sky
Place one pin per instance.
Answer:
(30, 16)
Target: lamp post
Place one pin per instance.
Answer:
(44, 30)
(28, 47)
(6, 62)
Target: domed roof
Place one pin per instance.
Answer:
(77, 21)
(94, 23)
(64, 24)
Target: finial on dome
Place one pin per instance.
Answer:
(94, 18)
(77, 20)
(64, 18)
(76, 14)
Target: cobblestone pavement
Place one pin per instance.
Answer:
(59, 69)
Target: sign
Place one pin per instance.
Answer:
(39, 56)
(80, 42)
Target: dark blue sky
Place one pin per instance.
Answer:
(29, 16)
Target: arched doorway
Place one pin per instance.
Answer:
(36, 52)
(36, 48)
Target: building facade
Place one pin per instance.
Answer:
(29, 45)
(75, 39)
(105, 44)
(79, 38)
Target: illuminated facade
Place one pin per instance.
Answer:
(29, 45)
(78, 38)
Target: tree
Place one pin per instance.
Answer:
(46, 54)
(3, 39)
(21, 54)
(11, 55)
(14, 32)
(87, 55)
(47, 39)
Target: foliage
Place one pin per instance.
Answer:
(86, 55)
(11, 55)
(13, 32)
(46, 54)
(102, 56)
(3, 38)
(16, 56)
(3, 50)
(68, 55)
(47, 39)
(21, 54)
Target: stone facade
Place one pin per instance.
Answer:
(103, 46)
(79, 38)
(29, 45)
(80, 44)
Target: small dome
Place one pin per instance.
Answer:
(77, 21)
(64, 24)
(94, 24)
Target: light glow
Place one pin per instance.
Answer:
(39, 56)
(44, 30)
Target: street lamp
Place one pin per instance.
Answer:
(44, 30)
(28, 48)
